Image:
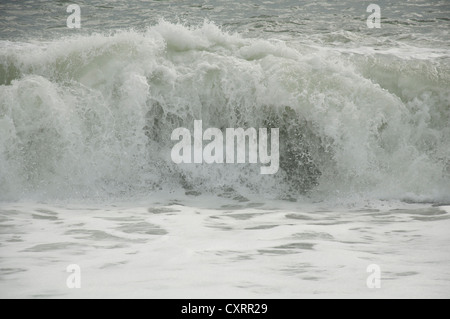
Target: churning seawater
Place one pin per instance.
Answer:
(86, 175)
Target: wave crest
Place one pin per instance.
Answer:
(92, 116)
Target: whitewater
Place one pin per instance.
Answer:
(86, 175)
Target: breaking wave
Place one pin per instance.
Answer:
(91, 116)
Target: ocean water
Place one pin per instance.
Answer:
(86, 176)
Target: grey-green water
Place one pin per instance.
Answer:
(85, 121)
(425, 21)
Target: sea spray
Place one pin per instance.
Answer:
(92, 116)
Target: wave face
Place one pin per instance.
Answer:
(91, 116)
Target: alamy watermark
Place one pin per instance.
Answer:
(374, 20)
(374, 279)
(74, 279)
(74, 19)
(213, 152)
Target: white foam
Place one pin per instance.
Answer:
(92, 115)
(212, 247)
